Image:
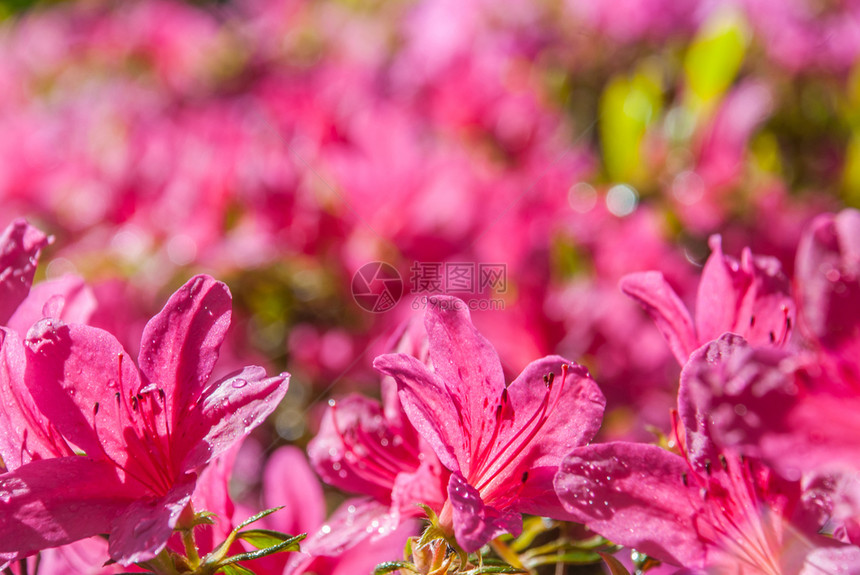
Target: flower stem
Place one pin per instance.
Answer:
(185, 526)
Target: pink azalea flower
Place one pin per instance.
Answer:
(707, 508)
(145, 429)
(749, 297)
(798, 411)
(502, 443)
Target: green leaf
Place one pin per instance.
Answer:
(262, 538)
(494, 569)
(217, 554)
(235, 570)
(615, 566)
(257, 517)
(714, 58)
(574, 557)
(290, 544)
(390, 566)
(628, 106)
(204, 518)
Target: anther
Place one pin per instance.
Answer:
(116, 396)
(548, 379)
(708, 466)
(684, 480)
(96, 408)
(525, 476)
(134, 403)
(723, 462)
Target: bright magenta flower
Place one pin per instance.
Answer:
(798, 411)
(145, 429)
(502, 443)
(707, 508)
(749, 297)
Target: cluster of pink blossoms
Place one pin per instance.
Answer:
(760, 475)
(280, 146)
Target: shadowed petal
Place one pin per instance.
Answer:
(225, 413)
(474, 522)
(25, 434)
(179, 346)
(634, 495)
(19, 248)
(52, 502)
(653, 293)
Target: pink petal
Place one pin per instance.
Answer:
(358, 559)
(468, 366)
(84, 557)
(571, 421)
(653, 293)
(819, 432)
(179, 346)
(475, 523)
(538, 497)
(354, 522)
(720, 289)
(85, 383)
(52, 502)
(289, 481)
(754, 400)
(142, 530)
(766, 312)
(828, 279)
(427, 485)
(20, 245)
(429, 406)
(352, 435)
(225, 413)
(634, 495)
(25, 434)
(212, 493)
(68, 298)
(832, 559)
